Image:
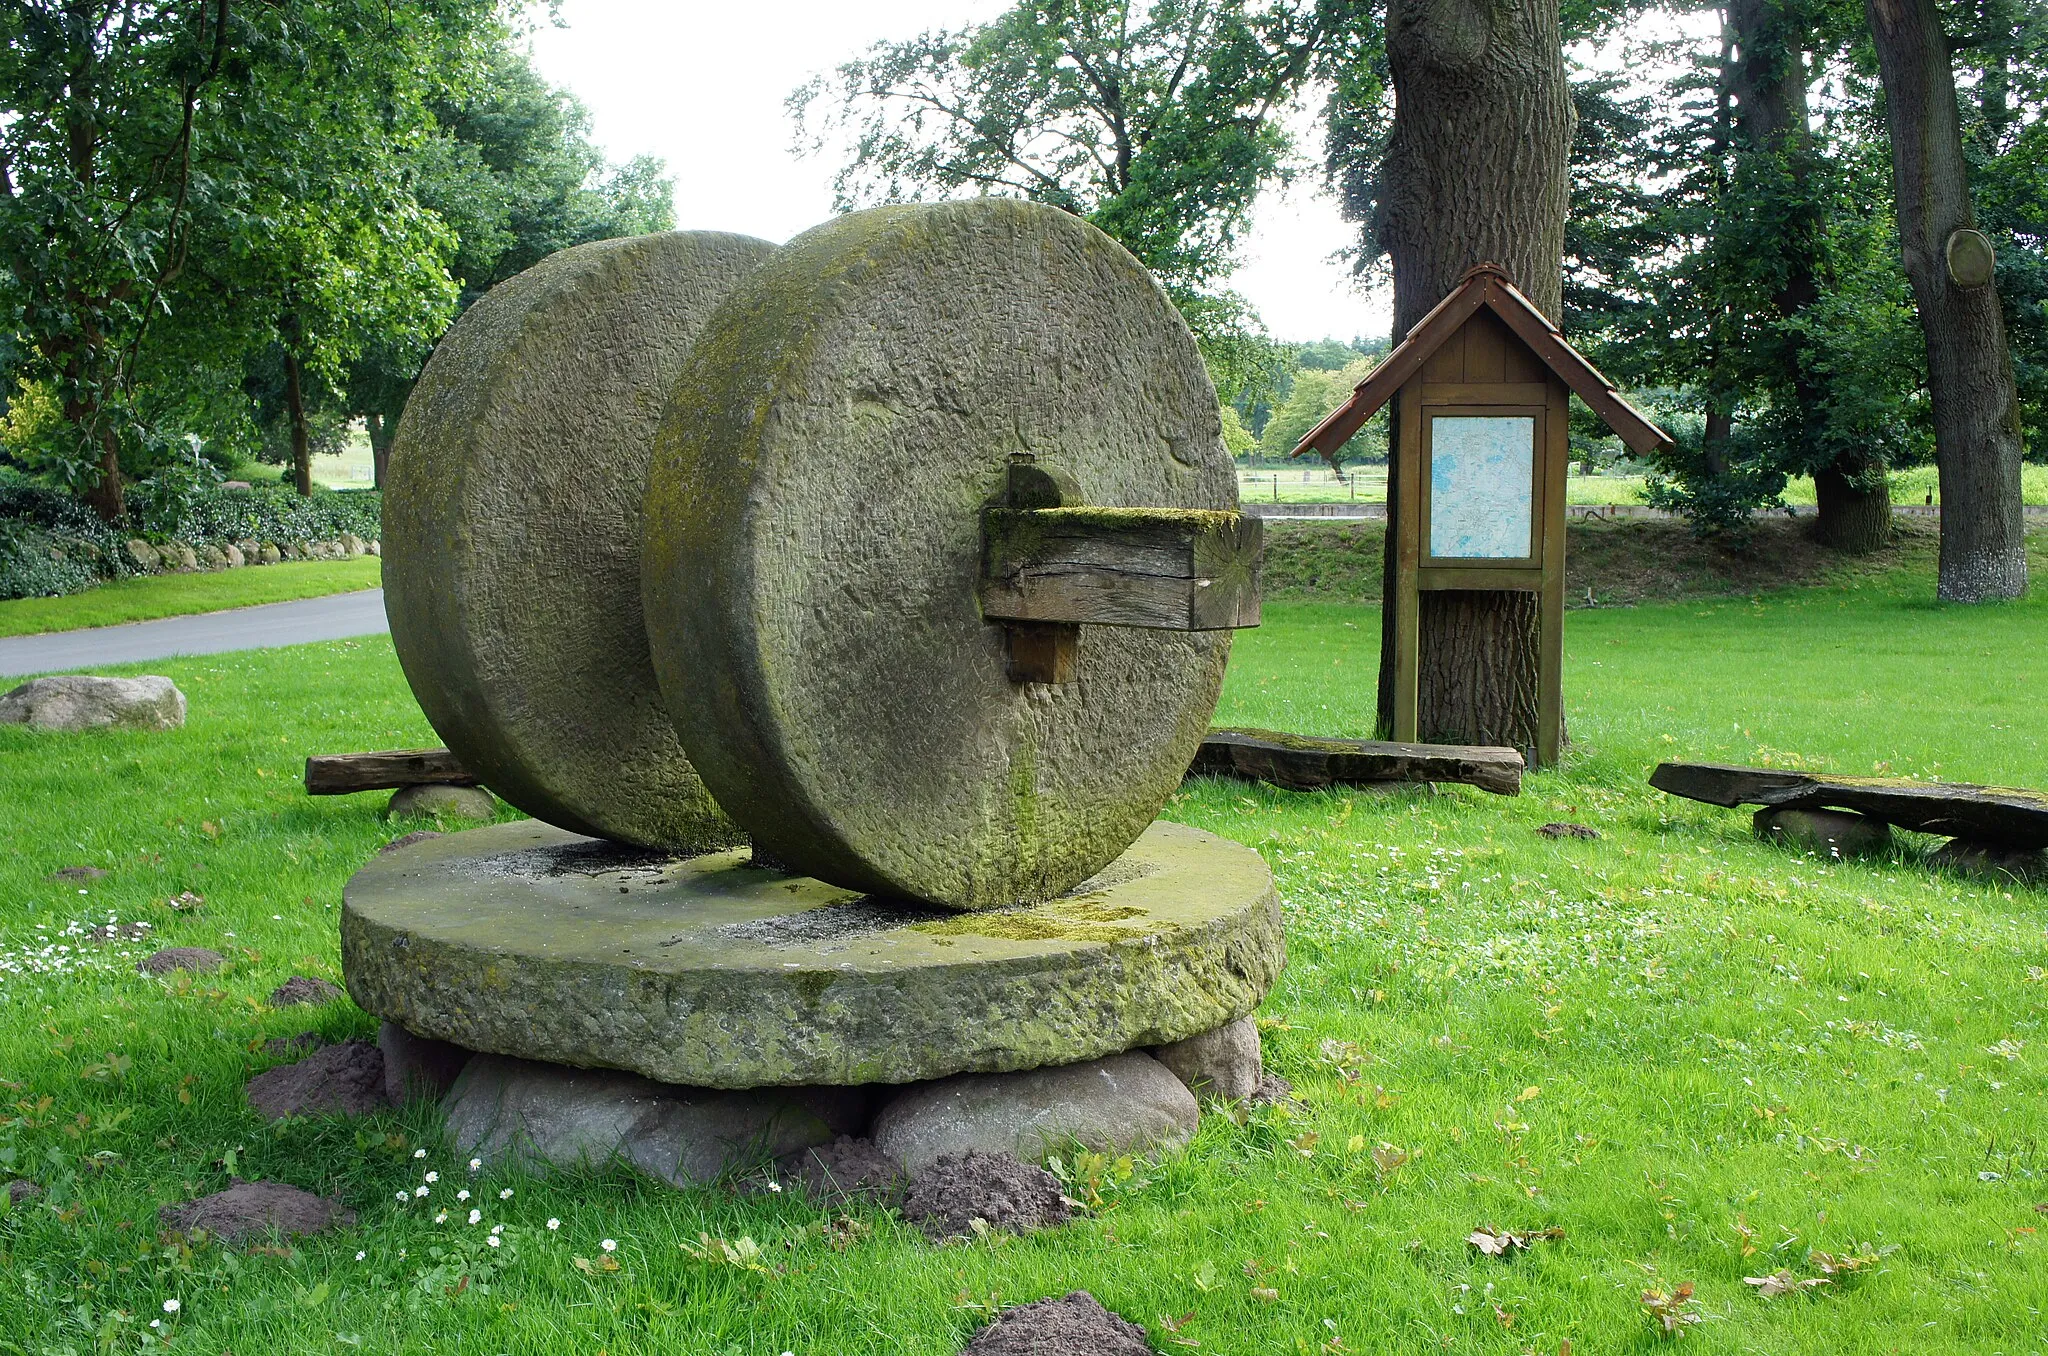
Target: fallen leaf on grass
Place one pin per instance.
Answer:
(1174, 1325)
(1501, 1242)
(1265, 1294)
(1671, 1310)
(2041, 1208)
(591, 1268)
(1388, 1157)
(1782, 1282)
(1845, 1264)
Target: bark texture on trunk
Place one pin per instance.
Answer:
(302, 441)
(1478, 169)
(1977, 443)
(1852, 516)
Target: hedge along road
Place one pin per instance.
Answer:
(334, 617)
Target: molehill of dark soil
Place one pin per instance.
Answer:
(249, 1210)
(1274, 1090)
(171, 958)
(21, 1189)
(847, 1169)
(120, 932)
(345, 1079)
(1075, 1324)
(78, 873)
(303, 989)
(1007, 1195)
(279, 1046)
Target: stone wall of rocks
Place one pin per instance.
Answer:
(176, 557)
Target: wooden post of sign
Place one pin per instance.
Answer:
(1481, 389)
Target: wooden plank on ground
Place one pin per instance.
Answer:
(2004, 815)
(338, 774)
(1301, 763)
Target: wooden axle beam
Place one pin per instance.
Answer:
(1160, 569)
(338, 774)
(1303, 763)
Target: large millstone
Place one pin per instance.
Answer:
(512, 534)
(521, 939)
(814, 542)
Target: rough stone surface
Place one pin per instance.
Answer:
(1830, 833)
(252, 1210)
(524, 940)
(1003, 1192)
(338, 1080)
(1127, 1103)
(196, 958)
(1074, 1325)
(538, 1116)
(232, 557)
(1221, 1063)
(141, 554)
(304, 989)
(847, 1169)
(814, 545)
(268, 553)
(417, 1067)
(83, 702)
(512, 572)
(442, 802)
(1988, 861)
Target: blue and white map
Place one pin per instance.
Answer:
(1482, 474)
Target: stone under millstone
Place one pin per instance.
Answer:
(525, 940)
(1835, 834)
(512, 534)
(814, 544)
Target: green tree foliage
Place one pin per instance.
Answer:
(1315, 392)
(1158, 122)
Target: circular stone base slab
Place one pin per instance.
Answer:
(522, 939)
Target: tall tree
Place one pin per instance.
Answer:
(1157, 121)
(1477, 169)
(1970, 375)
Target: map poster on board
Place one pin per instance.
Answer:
(1482, 477)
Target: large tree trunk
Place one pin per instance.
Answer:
(1768, 81)
(302, 441)
(1478, 169)
(1969, 367)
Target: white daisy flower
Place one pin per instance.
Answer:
(419, 1153)
(497, 1228)
(432, 1176)
(610, 1245)
(462, 1195)
(441, 1218)
(361, 1255)
(171, 1306)
(475, 1215)
(475, 1163)
(403, 1197)
(554, 1223)
(492, 1240)
(419, 1191)
(506, 1194)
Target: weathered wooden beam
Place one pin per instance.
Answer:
(2008, 816)
(1161, 569)
(338, 774)
(1301, 763)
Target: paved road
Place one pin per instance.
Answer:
(334, 617)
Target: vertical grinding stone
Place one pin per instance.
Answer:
(813, 546)
(511, 534)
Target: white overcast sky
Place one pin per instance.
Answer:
(702, 86)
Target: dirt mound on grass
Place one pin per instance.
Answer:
(303, 989)
(1075, 1324)
(345, 1080)
(195, 958)
(1004, 1193)
(251, 1210)
(279, 1046)
(847, 1169)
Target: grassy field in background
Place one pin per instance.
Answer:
(1910, 486)
(147, 597)
(1700, 1058)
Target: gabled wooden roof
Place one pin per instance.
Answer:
(1486, 285)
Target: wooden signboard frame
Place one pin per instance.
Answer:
(1484, 352)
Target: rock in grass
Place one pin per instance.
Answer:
(1128, 1102)
(83, 702)
(197, 959)
(418, 1067)
(340, 1080)
(1005, 1194)
(1221, 1063)
(1988, 861)
(1834, 834)
(252, 1210)
(442, 802)
(543, 1116)
(1076, 1324)
(304, 989)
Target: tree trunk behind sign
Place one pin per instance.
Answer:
(1477, 170)
(1969, 367)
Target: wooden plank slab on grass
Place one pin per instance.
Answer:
(2005, 815)
(338, 774)
(1302, 763)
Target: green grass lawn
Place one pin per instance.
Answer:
(1701, 1059)
(146, 597)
